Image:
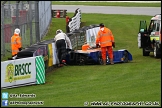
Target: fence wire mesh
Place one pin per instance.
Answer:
(31, 17)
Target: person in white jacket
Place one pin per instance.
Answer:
(63, 43)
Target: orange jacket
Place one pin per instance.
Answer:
(105, 37)
(15, 44)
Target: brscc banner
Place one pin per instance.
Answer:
(21, 72)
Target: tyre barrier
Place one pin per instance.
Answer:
(45, 48)
(34, 50)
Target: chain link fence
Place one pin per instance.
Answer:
(31, 17)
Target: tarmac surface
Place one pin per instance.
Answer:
(150, 11)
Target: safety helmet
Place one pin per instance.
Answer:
(17, 31)
(59, 31)
(101, 25)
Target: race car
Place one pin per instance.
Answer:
(93, 57)
(85, 56)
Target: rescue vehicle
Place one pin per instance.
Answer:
(149, 40)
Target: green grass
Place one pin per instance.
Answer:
(139, 80)
(57, 23)
(127, 4)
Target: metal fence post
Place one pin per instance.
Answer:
(9, 10)
(2, 32)
(17, 15)
(37, 21)
(30, 22)
(22, 5)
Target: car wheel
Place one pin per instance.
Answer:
(145, 53)
(156, 53)
(81, 60)
(100, 61)
(125, 57)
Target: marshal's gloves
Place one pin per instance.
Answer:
(97, 45)
(113, 44)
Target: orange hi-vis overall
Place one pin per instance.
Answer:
(105, 38)
(15, 44)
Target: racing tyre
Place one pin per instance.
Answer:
(125, 57)
(100, 59)
(81, 60)
(145, 53)
(156, 52)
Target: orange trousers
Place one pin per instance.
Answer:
(110, 52)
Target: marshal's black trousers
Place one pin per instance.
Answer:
(61, 48)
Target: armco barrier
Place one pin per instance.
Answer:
(22, 72)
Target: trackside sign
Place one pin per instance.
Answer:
(21, 72)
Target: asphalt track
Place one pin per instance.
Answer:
(150, 11)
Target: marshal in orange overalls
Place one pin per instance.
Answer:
(106, 40)
(16, 44)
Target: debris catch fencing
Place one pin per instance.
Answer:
(31, 17)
